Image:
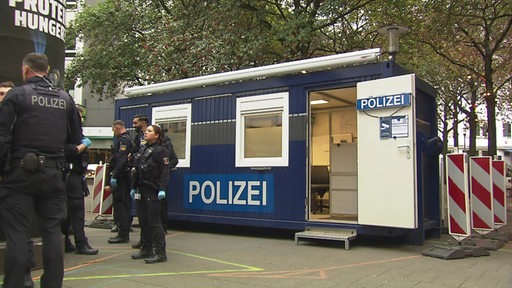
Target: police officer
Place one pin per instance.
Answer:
(139, 123)
(36, 121)
(173, 161)
(148, 189)
(29, 283)
(120, 181)
(4, 88)
(77, 160)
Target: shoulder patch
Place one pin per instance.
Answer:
(166, 160)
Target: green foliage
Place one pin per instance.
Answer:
(139, 42)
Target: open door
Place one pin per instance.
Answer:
(386, 153)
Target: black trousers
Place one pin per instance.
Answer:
(21, 193)
(75, 208)
(163, 213)
(151, 229)
(122, 202)
(75, 220)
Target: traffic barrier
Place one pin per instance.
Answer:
(499, 187)
(458, 197)
(102, 196)
(482, 216)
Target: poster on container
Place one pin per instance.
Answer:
(31, 26)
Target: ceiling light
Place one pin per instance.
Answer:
(316, 102)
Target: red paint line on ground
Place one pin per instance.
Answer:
(322, 272)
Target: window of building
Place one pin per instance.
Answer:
(507, 130)
(176, 120)
(483, 129)
(262, 130)
(71, 4)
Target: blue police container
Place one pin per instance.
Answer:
(291, 146)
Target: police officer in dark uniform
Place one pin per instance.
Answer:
(139, 123)
(120, 181)
(149, 188)
(173, 161)
(36, 121)
(77, 160)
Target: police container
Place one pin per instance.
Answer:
(343, 141)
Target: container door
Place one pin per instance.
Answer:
(387, 152)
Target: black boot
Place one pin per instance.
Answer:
(86, 249)
(157, 258)
(118, 239)
(68, 246)
(142, 254)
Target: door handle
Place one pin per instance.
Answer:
(407, 150)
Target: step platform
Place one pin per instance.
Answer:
(344, 235)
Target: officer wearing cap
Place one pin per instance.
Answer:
(120, 181)
(36, 121)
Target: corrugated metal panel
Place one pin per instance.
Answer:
(126, 113)
(213, 108)
(298, 100)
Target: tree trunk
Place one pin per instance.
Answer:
(490, 98)
(455, 116)
(473, 120)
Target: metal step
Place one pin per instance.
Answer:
(327, 234)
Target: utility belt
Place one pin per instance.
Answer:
(33, 162)
(76, 172)
(149, 184)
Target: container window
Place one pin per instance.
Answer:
(262, 130)
(176, 120)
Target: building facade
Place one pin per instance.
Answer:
(99, 114)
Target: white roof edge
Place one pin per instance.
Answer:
(312, 64)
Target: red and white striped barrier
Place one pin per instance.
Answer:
(482, 215)
(458, 197)
(102, 196)
(499, 186)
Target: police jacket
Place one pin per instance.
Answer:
(173, 158)
(119, 163)
(76, 163)
(76, 166)
(138, 144)
(37, 117)
(152, 168)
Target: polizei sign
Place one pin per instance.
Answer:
(230, 192)
(388, 101)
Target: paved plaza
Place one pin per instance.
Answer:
(213, 256)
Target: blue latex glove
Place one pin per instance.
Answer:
(132, 193)
(86, 141)
(161, 194)
(113, 182)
